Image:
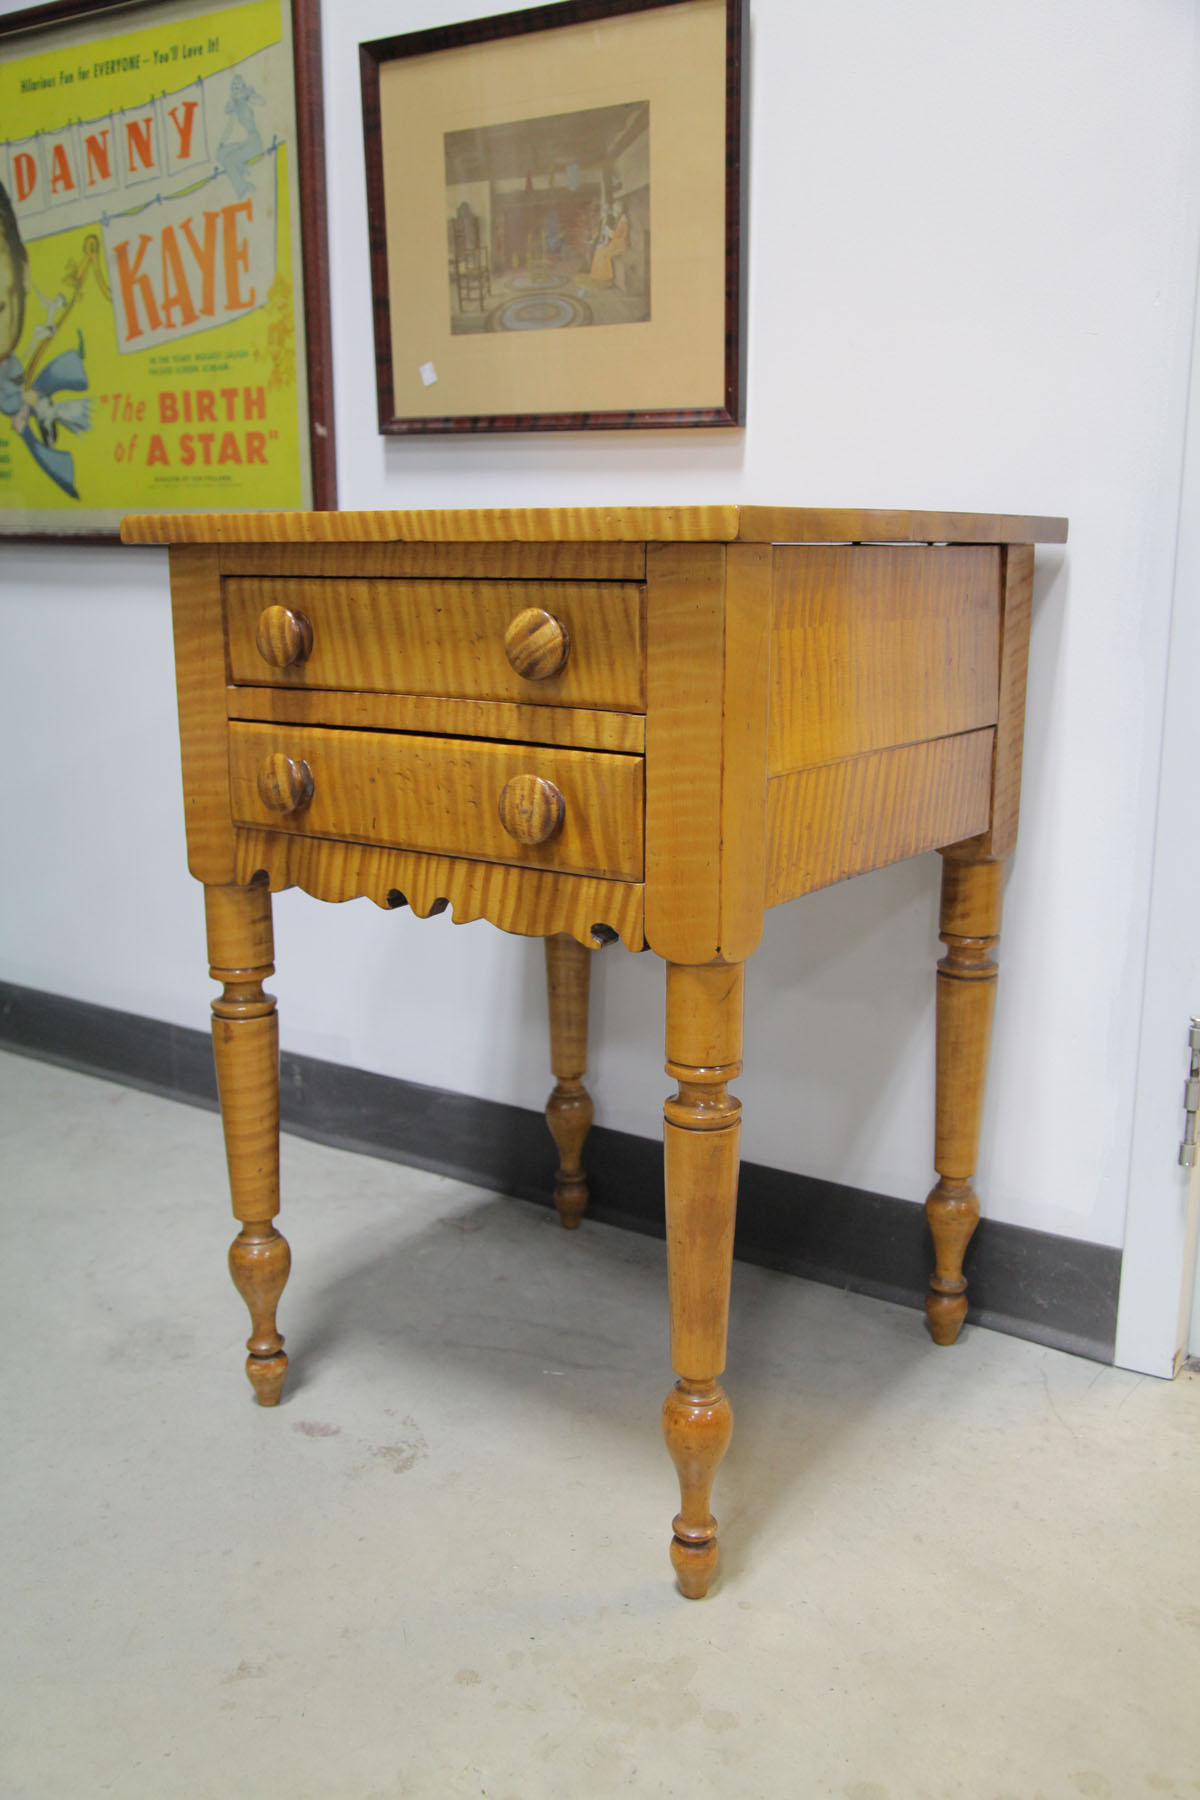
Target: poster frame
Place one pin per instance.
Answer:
(19, 34)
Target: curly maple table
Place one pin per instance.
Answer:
(647, 724)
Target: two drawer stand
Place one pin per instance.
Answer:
(644, 724)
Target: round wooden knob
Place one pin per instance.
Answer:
(284, 784)
(537, 644)
(531, 810)
(284, 637)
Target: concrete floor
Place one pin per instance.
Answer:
(440, 1567)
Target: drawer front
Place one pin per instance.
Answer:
(443, 795)
(449, 638)
(880, 645)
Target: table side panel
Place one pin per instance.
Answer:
(527, 902)
(685, 647)
(200, 678)
(1016, 614)
(442, 795)
(825, 824)
(748, 576)
(444, 638)
(879, 645)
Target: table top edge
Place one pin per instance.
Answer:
(634, 524)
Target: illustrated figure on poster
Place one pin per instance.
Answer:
(241, 141)
(28, 392)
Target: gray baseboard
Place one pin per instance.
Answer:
(1031, 1284)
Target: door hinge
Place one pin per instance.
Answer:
(1191, 1100)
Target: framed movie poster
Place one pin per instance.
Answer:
(555, 205)
(164, 333)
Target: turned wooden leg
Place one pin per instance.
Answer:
(569, 1108)
(701, 1137)
(246, 1052)
(966, 997)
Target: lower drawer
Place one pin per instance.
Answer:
(573, 810)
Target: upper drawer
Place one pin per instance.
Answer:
(465, 639)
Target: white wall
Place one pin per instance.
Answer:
(1162, 1220)
(971, 242)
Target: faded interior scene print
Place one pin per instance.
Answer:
(548, 221)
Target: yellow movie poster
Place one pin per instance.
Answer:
(151, 297)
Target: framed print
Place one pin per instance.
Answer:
(555, 208)
(164, 318)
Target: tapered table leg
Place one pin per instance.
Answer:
(702, 1132)
(246, 1052)
(569, 1108)
(966, 996)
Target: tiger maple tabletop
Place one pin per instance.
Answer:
(646, 724)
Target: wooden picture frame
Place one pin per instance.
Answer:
(174, 352)
(555, 209)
